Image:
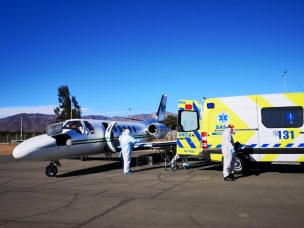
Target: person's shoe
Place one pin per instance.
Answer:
(231, 175)
(128, 173)
(228, 178)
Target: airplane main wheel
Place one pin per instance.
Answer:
(51, 170)
(84, 158)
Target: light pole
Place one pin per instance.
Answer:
(71, 108)
(21, 128)
(130, 114)
(284, 80)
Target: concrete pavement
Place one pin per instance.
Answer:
(95, 193)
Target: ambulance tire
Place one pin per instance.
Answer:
(239, 167)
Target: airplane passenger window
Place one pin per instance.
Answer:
(120, 129)
(134, 129)
(89, 126)
(130, 129)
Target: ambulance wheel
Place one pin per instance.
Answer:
(51, 170)
(239, 166)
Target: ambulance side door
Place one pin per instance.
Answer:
(280, 134)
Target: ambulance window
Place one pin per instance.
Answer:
(282, 117)
(188, 120)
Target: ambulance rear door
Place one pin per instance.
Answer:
(188, 140)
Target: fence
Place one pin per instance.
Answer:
(9, 137)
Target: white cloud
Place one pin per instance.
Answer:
(43, 109)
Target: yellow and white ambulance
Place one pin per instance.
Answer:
(268, 127)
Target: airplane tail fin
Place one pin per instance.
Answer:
(161, 113)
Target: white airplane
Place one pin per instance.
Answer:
(83, 137)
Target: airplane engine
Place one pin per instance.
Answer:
(158, 130)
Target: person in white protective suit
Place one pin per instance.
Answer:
(126, 143)
(228, 152)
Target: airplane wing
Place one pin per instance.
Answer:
(154, 144)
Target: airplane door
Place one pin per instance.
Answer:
(112, 143)
(188, 140)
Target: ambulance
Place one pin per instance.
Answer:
(268, 128)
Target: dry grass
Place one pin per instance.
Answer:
(6, 149)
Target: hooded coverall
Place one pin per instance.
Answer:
(126, 144)
(228, 152)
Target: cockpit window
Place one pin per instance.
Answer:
(74, 125)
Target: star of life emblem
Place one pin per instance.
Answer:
(223, 118)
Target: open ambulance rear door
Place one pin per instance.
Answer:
(188, 140)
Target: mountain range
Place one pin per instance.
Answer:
(38, 122)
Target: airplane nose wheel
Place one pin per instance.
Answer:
(51, 170)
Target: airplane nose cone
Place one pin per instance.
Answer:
(18, 152)
(27, 149)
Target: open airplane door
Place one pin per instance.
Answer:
(188, 140)
(112, 142)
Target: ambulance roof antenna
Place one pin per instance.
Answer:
(284, 80)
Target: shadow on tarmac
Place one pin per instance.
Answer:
(116, 164)
(92, 170)
(254, 169)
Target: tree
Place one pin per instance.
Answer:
(63, 112)
(171, 122)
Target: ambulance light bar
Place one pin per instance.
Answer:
(188, 106)
(210, 105)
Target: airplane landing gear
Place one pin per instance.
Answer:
(84, 158)
(51, 170)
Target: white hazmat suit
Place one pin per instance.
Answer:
(126, 143)
(228, 151)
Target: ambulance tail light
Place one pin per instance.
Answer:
(204, 140)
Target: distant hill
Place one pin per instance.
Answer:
(30, 122)
(38, 122)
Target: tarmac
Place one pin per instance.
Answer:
(95, 193)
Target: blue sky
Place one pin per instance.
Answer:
(115, 55)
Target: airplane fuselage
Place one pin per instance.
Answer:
(95, 137)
